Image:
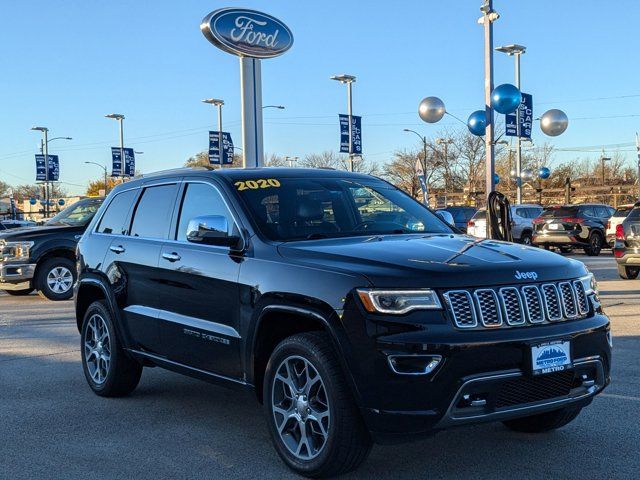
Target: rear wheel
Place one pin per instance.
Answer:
(543, 422)
(107, 368)
(19, 293)
(314, 423)
(526, 239)
(595, 245)
(55, 278)
(628, 273)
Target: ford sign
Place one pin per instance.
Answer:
(247, 33)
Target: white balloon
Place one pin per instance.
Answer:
(431, 109)
(513, 174)
(527, 174)
(554, 122)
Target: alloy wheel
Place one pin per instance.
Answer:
(60, 280)
(300, 407)
(97, 349)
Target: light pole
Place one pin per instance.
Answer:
(119, 117)
(602, 160)
(445, 142)
(348, 80)
(516, 51)
(291, 161)
(106, 185)
(44, 148)
(218, 104)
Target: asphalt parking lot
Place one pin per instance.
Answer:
(52, 426)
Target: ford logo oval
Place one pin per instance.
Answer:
(247, 33)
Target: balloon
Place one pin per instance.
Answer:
(477, 122)
(526, 174)
(33, 201)
(554, 122)
(431, 109)
(496, 178)
(505, 98)
(61, 202)
(544, 173)
(513, 174)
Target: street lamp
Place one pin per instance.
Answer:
(291, 160)
(106, 185)
(348, 80)
(603, 159)
(516, 52)
(218, 104)
(445, 142)
(119, 117)
(279, 107)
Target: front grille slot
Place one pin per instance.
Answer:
(512, 304)
(462, 308)
(518, 305)
(525, 390)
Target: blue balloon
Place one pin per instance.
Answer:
(61, 202)
(477, 122)
(33, 201)
(496, 179)
(505, 98)
(544, 173)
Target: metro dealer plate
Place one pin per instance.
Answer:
(551, 357)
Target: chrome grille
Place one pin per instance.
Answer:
(462, 308)
(533, 303)
(512, 304)
(551, 301)
(517, 305)
(488, 309)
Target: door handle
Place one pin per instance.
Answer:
(172, 257)
(119, 249)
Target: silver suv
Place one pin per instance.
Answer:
(521, 222)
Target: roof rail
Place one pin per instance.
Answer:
(176, 170)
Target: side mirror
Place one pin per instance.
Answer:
(445, 216)
(211, 230)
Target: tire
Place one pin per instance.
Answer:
(339, 441)
(566, 249)
(628, 273)
(527, 239)
(595, 244)
(55, 278)
(543, 422)
(107, 368)
(19, 293)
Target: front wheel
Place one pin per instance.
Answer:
(595, 245)
(55, 278)
(628, 273)
(314, 423)
(543, 422)
(19, 293)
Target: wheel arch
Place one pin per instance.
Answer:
(92, 289)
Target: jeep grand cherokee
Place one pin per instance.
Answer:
(352, 311)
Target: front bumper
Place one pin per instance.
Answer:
(483, 375)
(16, 276)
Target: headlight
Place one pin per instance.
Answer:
(10, 251)
(398, 301)
(589, 283)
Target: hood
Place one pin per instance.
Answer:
(33, 233)
(440, 261)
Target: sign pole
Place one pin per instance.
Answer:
(45, 151)
(251, 100)
(488, 18)
(638, 150)
(122, 159)
(220, 147)
(518, 141)
(349, 113)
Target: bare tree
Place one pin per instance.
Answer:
(401, 171)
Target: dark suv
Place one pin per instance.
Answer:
(352, 311)
(43, 257)
(570, 226)
(626, 248)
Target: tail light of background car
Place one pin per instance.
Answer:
(608, 224)
(572, 220)
(620, 232)
(538, 220)
(470, 224)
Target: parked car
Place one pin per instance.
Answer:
(522, 217)
(461, 216)
(348, 329)
(9, 224)
(573, 226)
(626, 248)
(43, 257)
(618, 216)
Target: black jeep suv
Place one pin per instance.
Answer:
(43, 257)
(569, 226)
(350, 327)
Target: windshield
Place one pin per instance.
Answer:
(560, 212)
(77, 214)
(622, 211)
(298, 208)
(480, 215)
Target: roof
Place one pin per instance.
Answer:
(249, 173)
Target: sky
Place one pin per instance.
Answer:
(65, 64)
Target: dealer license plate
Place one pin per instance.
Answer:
(553, 226)
(551, 357)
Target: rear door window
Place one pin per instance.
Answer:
(602, 212)
(635, 213)
(114, 218)
(588, 211)
(152, 217)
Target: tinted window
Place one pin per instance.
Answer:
(560, 212)
(622, 211)
(588, 211)
(602, 212)
(635, 213)
(113, 220)
(153, 213)
(480, 215)
(532, 212)
(201, 199)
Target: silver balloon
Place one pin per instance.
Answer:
(513, 174)
(431, 109)
(554, 122)
(527, 174)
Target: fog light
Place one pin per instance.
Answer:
(414, 364)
